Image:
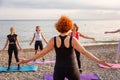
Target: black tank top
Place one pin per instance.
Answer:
(12, 38)
(64, 56)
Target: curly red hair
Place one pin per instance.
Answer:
(64, 24)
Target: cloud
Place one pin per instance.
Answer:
(1, 2)
(23, 13)
(63, 4)
(44, 9)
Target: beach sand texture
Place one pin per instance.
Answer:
(101, 51)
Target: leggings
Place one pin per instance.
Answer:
(69, 73)
(12, 48)
(78, 58)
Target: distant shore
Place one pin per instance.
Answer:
(85, 45)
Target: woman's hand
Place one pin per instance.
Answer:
(21, 49)
(3, 50)
(106, 32)
(104, 62)
(23, 61)
(93, 39)
(30, 44)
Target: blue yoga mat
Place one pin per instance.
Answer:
(82, 76)
(22, 69)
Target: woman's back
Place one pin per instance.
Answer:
(64, 51)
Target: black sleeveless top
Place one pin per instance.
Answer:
(12, 38)
(64, 56)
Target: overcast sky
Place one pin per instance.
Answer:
(52, 9)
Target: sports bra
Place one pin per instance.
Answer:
(76, 35)
(64, 56)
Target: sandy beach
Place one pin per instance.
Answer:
(106, 51)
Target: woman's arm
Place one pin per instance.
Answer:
(18, 43)
(42, 53)
(43, 38)
(76, 45)
(112, 31)
(87, 37)
(6, 43)
(32, 39)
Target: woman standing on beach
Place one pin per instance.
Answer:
(38, 36)
(118, 51)
(63, 44)
(77, 35)
(12, 39)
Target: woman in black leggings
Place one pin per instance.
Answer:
(64, 45)
(12, 38)
(77, 35)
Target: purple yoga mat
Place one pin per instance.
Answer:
(82, 76)
(113, 66)
(41, 62)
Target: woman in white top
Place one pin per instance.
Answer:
(38, 36)
(118, 51)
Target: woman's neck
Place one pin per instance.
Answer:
(11, 33)
(38, 31)
(63, 34)
(74, 31)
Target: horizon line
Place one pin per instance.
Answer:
(48, 19)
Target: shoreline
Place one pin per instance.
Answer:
(86, 46)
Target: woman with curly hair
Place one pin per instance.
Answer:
(64, 45)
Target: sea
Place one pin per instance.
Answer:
(93, 28)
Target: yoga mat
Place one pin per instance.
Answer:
(41, 62)
(113, 66)
(82, 76)
(22, 69)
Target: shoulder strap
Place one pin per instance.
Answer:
(62, 40)
(55, 41)
(71, 33)
(70, 41)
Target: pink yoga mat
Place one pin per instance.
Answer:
(41, 62)
(82, 76)
(113, 66)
